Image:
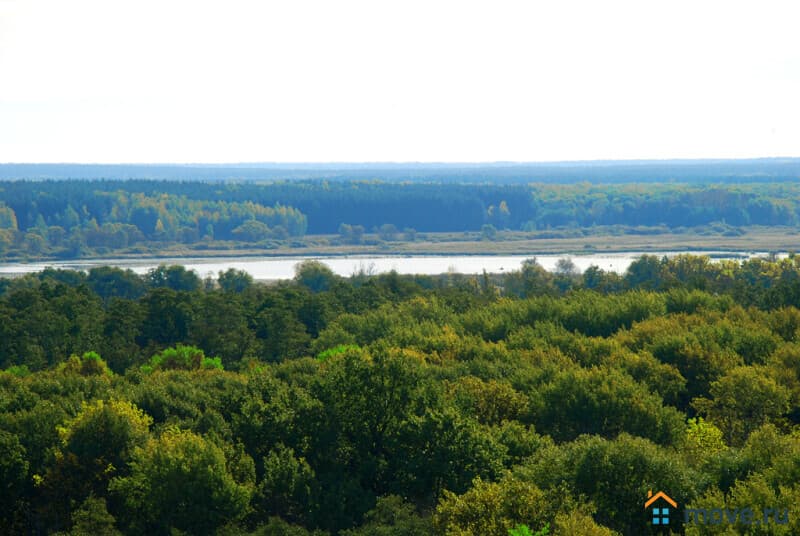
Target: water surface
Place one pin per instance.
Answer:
(283, 267)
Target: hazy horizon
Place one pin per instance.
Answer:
(359, 81)
(431, 163)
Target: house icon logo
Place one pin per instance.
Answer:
(660, 503)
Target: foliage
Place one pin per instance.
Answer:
(390, 404)
(89, 364)
(703, 440)
(337, 350)
(105, 433)
(604, 402)
(392, 516)
(180, 480)
(233, 280)
(492, 509)
(182, 358)
(612, 474)
(743, 400)
(93, 519)
(523, 530)
(314, 275)
(288, 486)
(14, 468)
(68, 219)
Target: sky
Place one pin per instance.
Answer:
(397, 81)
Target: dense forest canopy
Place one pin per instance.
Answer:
(531, 402)
(71, 218)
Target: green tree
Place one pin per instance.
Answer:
(220, 326)
(488, 231)
(8, 218)
(565, 267)
(699, 361)
(646, 273)
(352, 234)
(569, 524)
(89, 364)
(167, 317)
(93, 519)
(182, 357)
(743, 400)
(314, 275)
(174, 277)
(703, 440)
(531, 280)
(490, 402)
(13, 478)
(288, 486)
(369, 397)
(104, 434)
(612, 475)
(392, 517)
(110, 281)
(443, 450)
(387, 232)
(605, 402)
(70, 217)
(252, 231)
(492, 508)
(180, 481)
(56, 235)
(95, 446)
(6, 239)
(121, 330)
(233, 280)
(272, 412)
(279, 333)
(566, 274)
(35, 243)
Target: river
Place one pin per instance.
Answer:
(271, 268)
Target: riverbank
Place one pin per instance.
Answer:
(778, 239)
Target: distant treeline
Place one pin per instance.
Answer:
(69, 216)
(597, 171)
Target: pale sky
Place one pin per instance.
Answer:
(335, 81)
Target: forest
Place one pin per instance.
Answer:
(79, 218)
(492, 405)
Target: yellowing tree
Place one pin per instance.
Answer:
(180, 481)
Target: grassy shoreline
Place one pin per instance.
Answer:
(779, 239)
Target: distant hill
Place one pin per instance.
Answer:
(594, 171)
